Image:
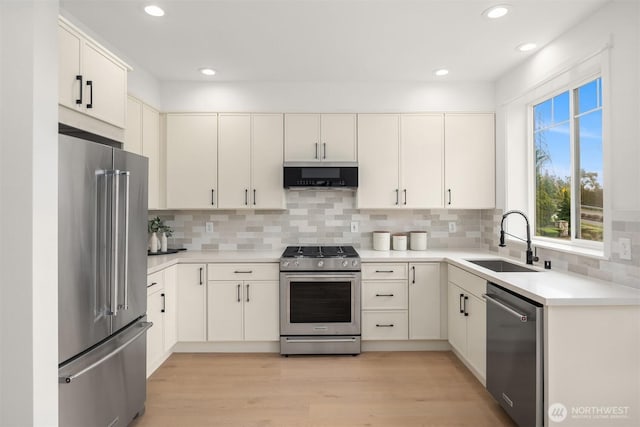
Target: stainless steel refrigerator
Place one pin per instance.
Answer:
(102, 250)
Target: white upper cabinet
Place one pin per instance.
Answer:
(469, 161)
(91, 80)
(142, 136)
(400, 161)
(421, 160)
(250, 161)
(192, 149)
(320, 137)
(378, 166)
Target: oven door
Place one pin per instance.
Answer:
(319, 303)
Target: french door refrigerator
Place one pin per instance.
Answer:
(102, 250)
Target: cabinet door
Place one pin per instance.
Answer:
(469, 161)
(378, 161)
(261, 311)
(234, 149)
(224, 311)
(151, 149)
(421, 164)
(133, 129)
(424, 301)
(477, 334)
(105, 86)
(456, 320)
(338, 137)
(192, 141)
(266, 161)
(155, 343)
(170, 307)
(301, 137)
(191, 302)
(69, 88)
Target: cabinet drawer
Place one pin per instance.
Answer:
(385, 325)
(467, 281)
(385, 271)
(155, 281)
(384, 295)
(243, 271)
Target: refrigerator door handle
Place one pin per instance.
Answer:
(126, 175)
(141, 328)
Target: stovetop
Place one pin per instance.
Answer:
(320, 258)
(320, 252)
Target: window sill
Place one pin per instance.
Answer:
(570, 249)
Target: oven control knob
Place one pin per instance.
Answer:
(354, 263)
(285, 263)
(320, 263)
(297, 263)
(345, 263)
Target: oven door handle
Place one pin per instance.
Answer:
(294, 340)
(317, 276)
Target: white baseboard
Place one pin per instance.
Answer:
(421, 345)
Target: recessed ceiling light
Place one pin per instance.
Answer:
(154, 10)
(441, 72)
(498, 11)
(526, 47)
(208, 71)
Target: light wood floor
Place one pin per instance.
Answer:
(372, 389)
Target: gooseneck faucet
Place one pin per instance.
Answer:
(530, 257)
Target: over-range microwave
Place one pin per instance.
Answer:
(321, 174)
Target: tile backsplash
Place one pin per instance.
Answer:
(317, 217)
(614, 269)
(325, 217)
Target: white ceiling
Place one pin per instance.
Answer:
(327, 40)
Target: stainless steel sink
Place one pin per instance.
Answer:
(501, 266)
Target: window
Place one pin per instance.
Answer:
(567, 135)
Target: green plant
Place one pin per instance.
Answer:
(154, 224)
(167, 230)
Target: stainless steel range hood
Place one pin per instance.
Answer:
(329, 175)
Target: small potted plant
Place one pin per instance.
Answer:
(153, 226)
(165, 232)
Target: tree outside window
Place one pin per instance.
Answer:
(567, 130)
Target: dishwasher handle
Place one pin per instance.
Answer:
(493, 300)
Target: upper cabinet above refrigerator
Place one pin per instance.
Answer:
(320, 137)
(92, 84)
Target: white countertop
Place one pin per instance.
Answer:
(548, 287)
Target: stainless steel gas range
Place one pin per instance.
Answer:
(320, 300)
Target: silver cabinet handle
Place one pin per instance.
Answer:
(243, 271)
(239, 299)
(384, 295)
(413, 270)
(201, 270)
(66, 379)
(384, 271)
(390, 325)
(246, 197)
(247, 292)
(522, 317)
(324, 148)
(397, 196)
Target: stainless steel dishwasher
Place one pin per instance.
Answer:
(514, 355)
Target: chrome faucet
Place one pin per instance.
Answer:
(530, 257)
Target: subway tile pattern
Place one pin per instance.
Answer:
(614, 269)
(317, 217)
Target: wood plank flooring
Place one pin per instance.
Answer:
(372, 389)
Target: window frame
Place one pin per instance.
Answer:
(572, 245)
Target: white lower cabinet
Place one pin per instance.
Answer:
(192, 302)
(384, 302)
(243, 302)
(161, 311)
(170, 307)
(467, 319)
(424, 301)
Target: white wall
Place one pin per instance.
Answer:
(28, 196)
(326, 97)
(617, 23)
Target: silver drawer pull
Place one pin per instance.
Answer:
(243, 272)
(384, 295)
(384, 326)
(384, 271)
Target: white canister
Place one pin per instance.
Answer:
(399, 242)
(418, 240)
(381, 240)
